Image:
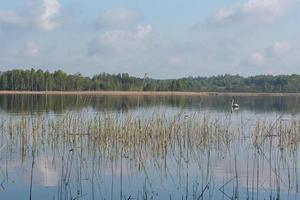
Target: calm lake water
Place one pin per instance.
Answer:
(231, 165)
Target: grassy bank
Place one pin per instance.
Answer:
(143, 93)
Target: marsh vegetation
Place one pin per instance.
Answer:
(149, 154)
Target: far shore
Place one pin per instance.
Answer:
(142, 93)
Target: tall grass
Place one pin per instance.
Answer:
(157, 141)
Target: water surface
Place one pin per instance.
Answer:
(41, 167)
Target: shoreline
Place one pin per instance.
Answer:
(142, 93)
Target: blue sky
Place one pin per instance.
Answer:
(165, 39)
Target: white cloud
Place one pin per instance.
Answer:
(31, 49)
(120, 41)
(142, 31)
(257, 58)
(278, 48)
(11, 18)
(41, 16)
(269, 60)
(125, 41)
(257, 11)
(50, 11)
(176, 60)
(119, 18)
(121, 31)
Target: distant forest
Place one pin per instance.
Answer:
(39, 80)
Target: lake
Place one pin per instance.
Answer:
(165, 147)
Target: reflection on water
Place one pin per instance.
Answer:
(189, 148)
(61, 103)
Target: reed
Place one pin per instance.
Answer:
(143, 143)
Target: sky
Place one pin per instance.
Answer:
(165, 39)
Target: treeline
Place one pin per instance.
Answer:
(39, 80)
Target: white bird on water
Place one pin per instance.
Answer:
(234, 105)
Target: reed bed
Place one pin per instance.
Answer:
(139, 136)
(283, 134)
(155, 142)
(135, 136)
